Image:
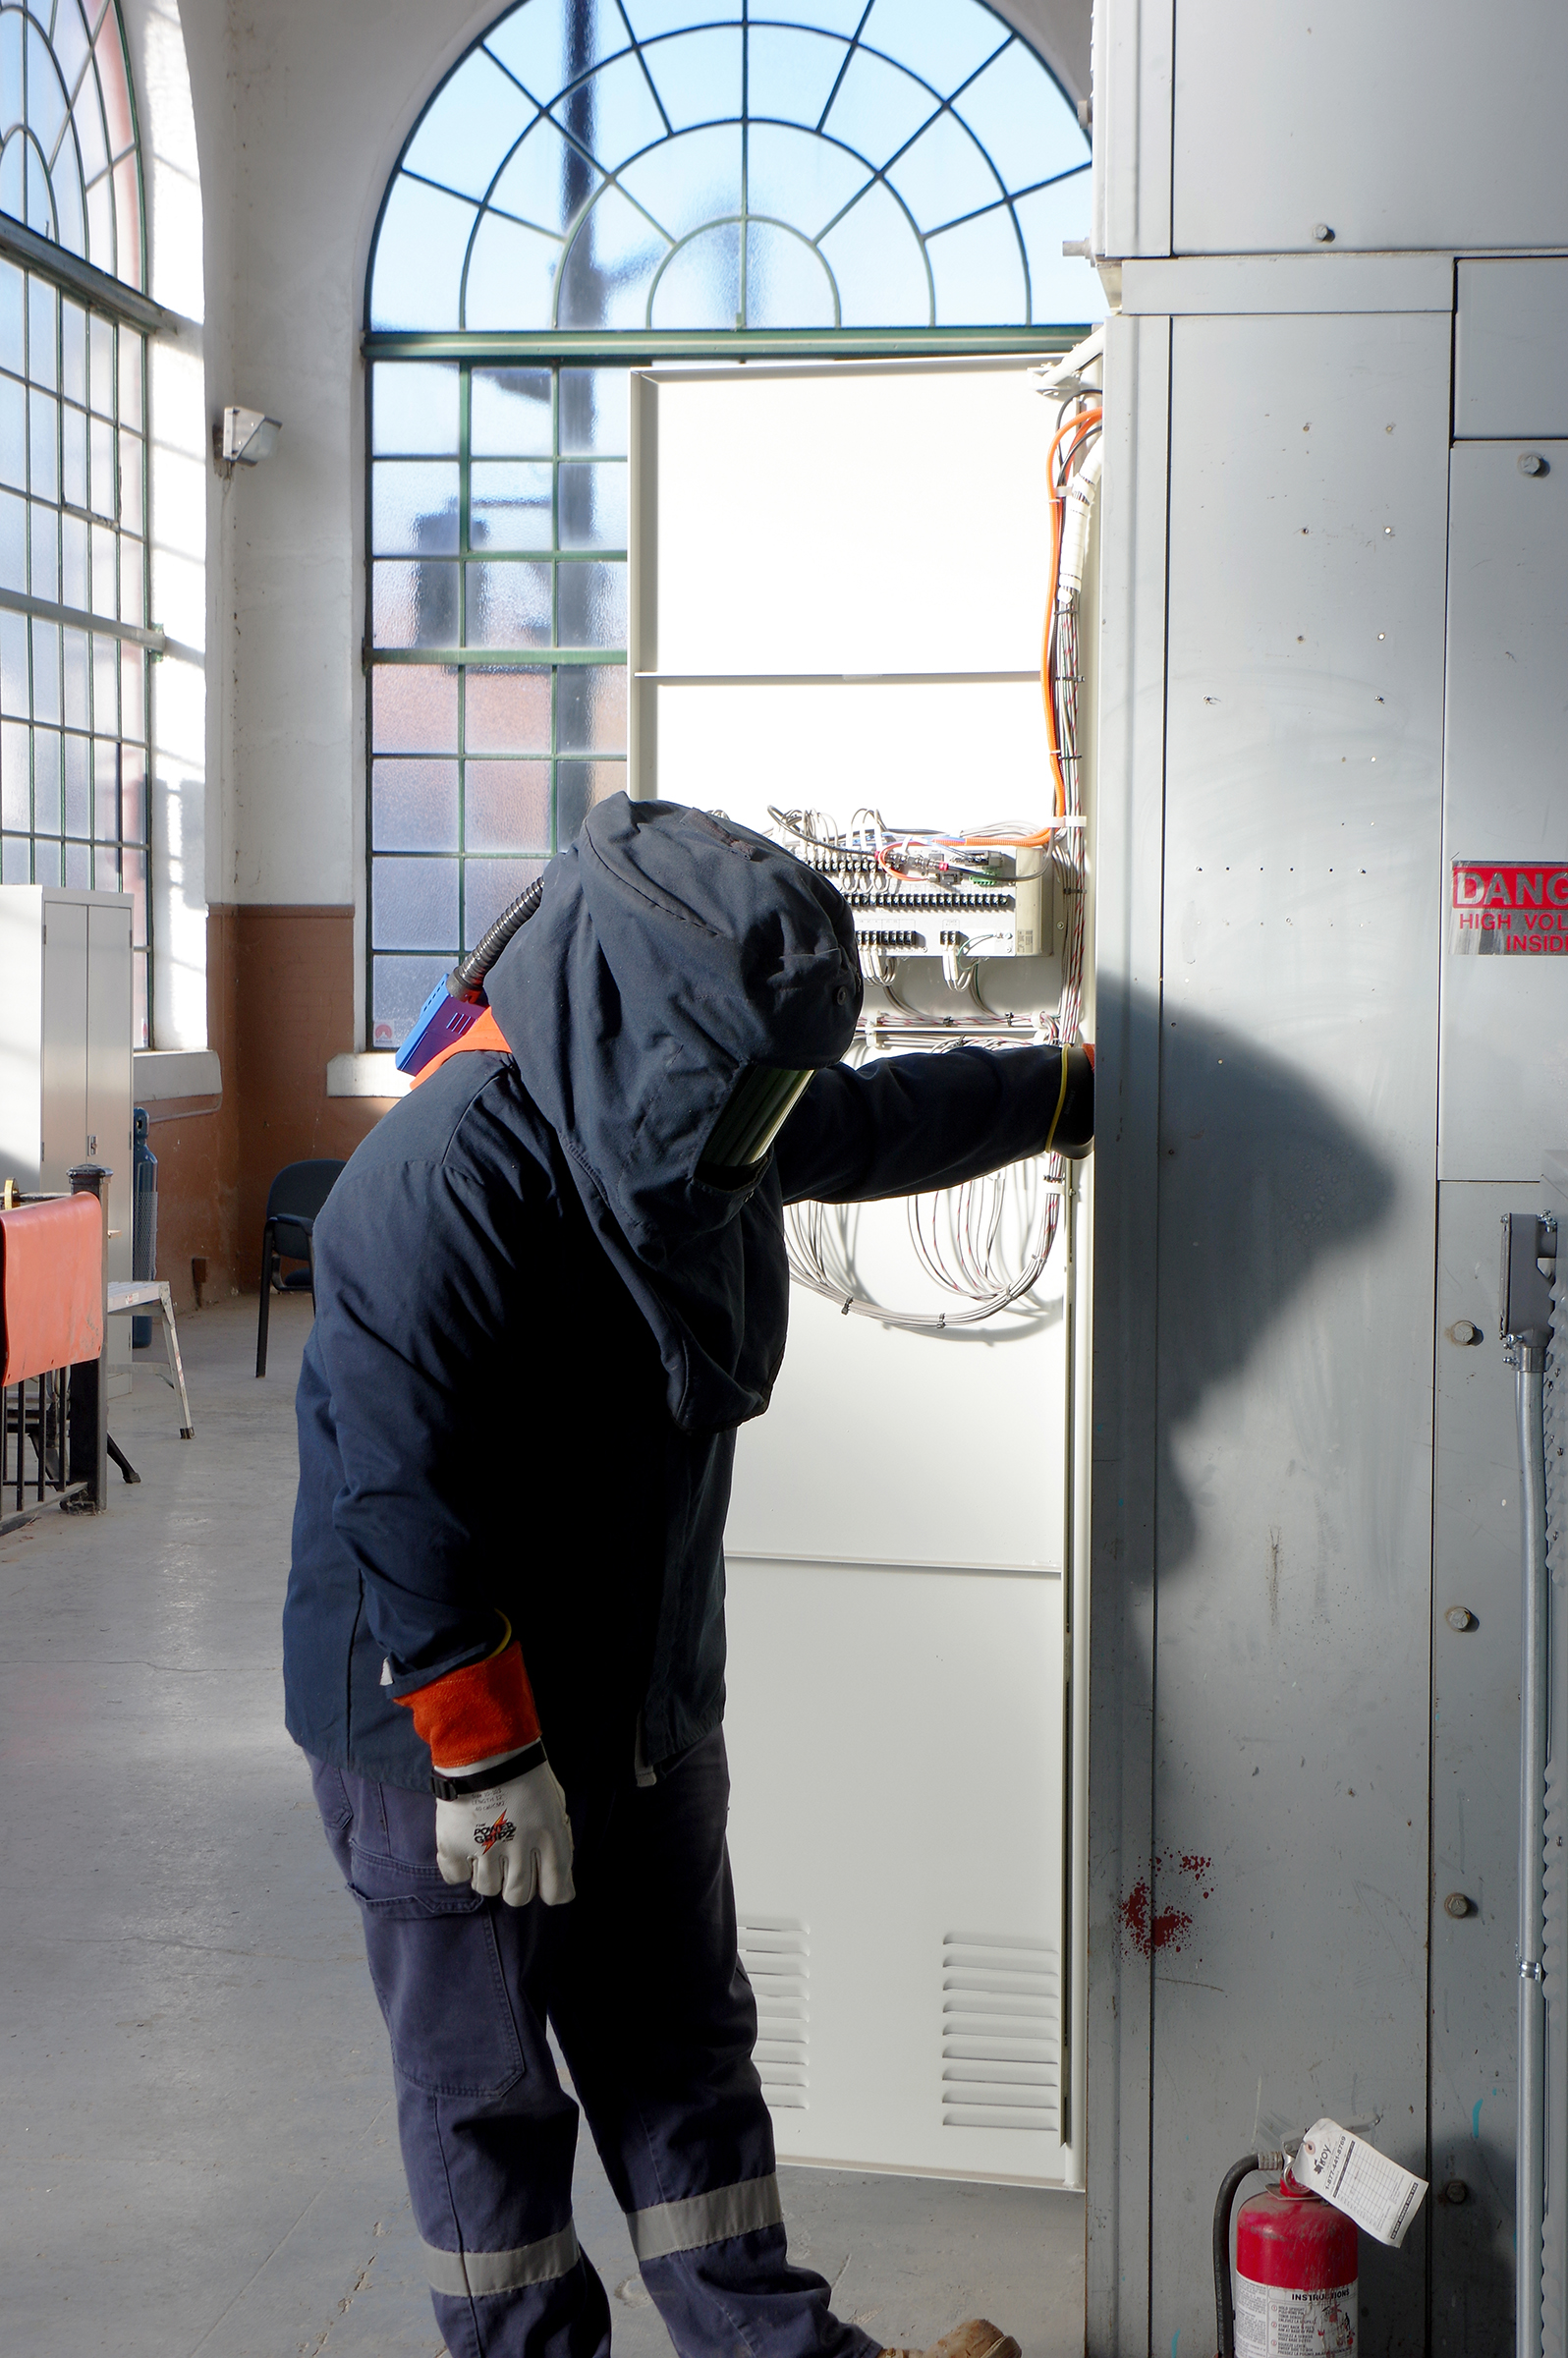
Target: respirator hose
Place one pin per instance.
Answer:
(1230, 2186)
(467, 979)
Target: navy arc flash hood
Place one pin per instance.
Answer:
(671, 952)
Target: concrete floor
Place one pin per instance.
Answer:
(198, 2144)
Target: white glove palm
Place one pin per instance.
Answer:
(510, 1839)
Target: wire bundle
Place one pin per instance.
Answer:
(958, 1233)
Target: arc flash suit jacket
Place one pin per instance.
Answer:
(538, 1329)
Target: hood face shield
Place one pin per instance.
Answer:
(761, 1103)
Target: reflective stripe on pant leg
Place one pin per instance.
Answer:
(666, 2227)
(461, 2274)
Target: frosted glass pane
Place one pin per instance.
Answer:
(46, 100)
(10, 310)
(507, 711)
(787, 284)
(72, 562)
(74, 461)
(105, 683)
(509, 605)
(45, 540)
(105, 569)
(43, 431)
(415, 605)
(74, 351)
(579, 785)
(131, 581)
(13, 542)
(464, 138)
(15, 788)
(1062, 287)
(68, 199)
(509, 504)
(1022, 120)
(511, 282)
(528, 41)
(593, 506)
(414, 806)
(612, 114)
(509, 413)
(697, 75)
(877, 260)
(877, 109)
(105, 791)
(46, 671)
(414, 709)
(77, 786)
(414, 406)
(129, 379)
(77, 867)
(650, 18)
(76, 712)
(979, 272)
(791, 75)
(100, 370)
(100, 434)
(701, 287)
(943, 45)
(594, 410)
(13, 663)
(41, 200)
(488, 888)
(689, 181)
(414, 508)
(131, 481)
(613, 259)
(414, 904)
(399, 988)
(796, 177)
(418, 257)
(547, 180)
(13, 433)
(593, 603)
(45, 779)
(591, 709)
(506, 806)
(943, 175)
(43, 333)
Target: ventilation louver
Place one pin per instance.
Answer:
(1001, 2051)
(776, 1954)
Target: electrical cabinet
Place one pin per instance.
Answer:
(64, 1055)
(908, 1516)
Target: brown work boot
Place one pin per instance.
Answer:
(979, 2339)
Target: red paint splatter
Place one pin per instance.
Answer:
(1145, 1928)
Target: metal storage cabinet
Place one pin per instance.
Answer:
(64, 1055)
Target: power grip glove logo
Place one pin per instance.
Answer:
(485, 1837)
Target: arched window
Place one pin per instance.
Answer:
(601, 183)
(74, 633)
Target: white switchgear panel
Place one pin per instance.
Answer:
(839, 582)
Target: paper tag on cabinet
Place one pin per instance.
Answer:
(1381, 2198)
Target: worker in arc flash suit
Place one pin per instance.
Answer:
(551, 1285)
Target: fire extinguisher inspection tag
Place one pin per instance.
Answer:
(1272, 2322)
(1377, 2194)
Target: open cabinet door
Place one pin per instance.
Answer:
(839, 577)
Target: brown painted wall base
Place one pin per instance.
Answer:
(280, 1002)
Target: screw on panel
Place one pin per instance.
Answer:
(1463, 1331)
(1460, 1617)
(1321, 232)
(1530, 461)
(1457, 1905)
(1456, 2191)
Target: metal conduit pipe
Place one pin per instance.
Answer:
(1529, 2216)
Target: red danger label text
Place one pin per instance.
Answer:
(1500, 907)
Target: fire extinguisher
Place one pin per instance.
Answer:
(1297, 2266)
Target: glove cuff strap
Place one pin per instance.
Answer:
(480, 1780)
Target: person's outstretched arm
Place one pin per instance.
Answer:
(897, 1125)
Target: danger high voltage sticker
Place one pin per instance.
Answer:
(1499, 906)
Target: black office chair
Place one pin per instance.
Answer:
(293, 1199)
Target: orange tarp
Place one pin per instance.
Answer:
(51, 1285)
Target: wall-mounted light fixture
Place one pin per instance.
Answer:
(243, 438)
